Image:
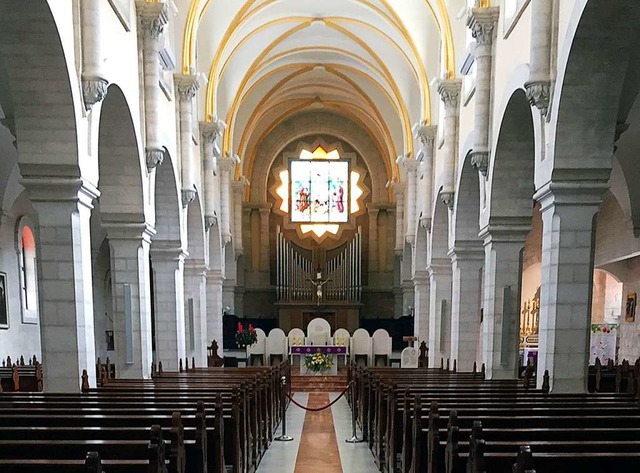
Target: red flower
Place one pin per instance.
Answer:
(240, 328)
(250, 328)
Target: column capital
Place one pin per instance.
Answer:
(396, 186)
(214, 276)
(467, 250)
(195, 267)
(480, 161)
(167, 253)
(265, 210)
(153, 17)
(426, 134)
(142, 232)
(539, 94)
(229, 162)
(187, 85)
(420, 277)
(239, 185)
(210, 131)
(188, 196)
(94, 90)
(482, 22)
(408, 163)
(449, 91)
(506, 230)
(582, 191)
(60, 189)
(425, 223)
(439, 266)
(448, 199)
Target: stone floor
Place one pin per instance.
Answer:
(319, 441)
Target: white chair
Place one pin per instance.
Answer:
(256, 352)
(276, 346)
(361, 347)
(341, 337)
(409, 358)
(318, 332)
(381, 347)
(295, 337)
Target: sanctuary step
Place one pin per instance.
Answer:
(318, 383)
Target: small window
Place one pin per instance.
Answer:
(26, 243)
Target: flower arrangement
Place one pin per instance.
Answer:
(318, 362)
(604, 328)
(246, 336)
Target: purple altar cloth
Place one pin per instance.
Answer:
(326, 349)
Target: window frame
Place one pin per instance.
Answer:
(29, 315)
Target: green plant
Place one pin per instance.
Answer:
(246, 336)
(318, 362)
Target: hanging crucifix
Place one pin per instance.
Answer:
(318, 282)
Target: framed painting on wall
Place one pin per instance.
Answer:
(630, 312)
(4, 302)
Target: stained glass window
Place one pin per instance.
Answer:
(319, 191)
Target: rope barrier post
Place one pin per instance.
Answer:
(284, 437)
(354, 437)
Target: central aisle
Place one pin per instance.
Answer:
(319, 441)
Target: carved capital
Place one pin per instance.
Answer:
(449, 90)
(188, 196)
(427, 136)
(154, 158)
(482, 22)
(425, 222)
(480, 161)
(539, 95)
(210, 131)
(187, 85)
(210, 221)
(94, 90)
(447, 198)
(153, 18)
(228, 163)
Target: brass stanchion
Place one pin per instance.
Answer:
(284, 437)
(354, 437)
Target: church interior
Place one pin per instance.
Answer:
(235, 233)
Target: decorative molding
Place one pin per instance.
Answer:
(425, 222)
(449, 91)
(480, 161)
(187, 85)
(210, 131)
(210, 221)
(94, 90)
(539, 94)
(426, 134)
(447, 198)
(188, 196)
(154, 158)
(482, 23)
(153, 18)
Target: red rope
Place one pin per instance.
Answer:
(315, 409)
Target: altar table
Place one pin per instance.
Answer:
(333, 350)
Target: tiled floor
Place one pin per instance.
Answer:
(323, 438)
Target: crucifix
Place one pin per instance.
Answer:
(318, 282)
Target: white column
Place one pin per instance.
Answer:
(439, 308)
(449, 90)
(214, 307)
(411, 166)
(195, 288)
(426, 135)
(168, 269)
(539, 84)
(238, 196)
(265, 260)
(398, 190)
(466, 263)
(227, 165)
(131, 297)
(210, 132)
(65, 280)
(567, 276)
(373, 238)
(482, 22)
(94, 84)
(421, 292)
(153, 20)
(502, 271)
(187, 86)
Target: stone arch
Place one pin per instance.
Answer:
(591, 88)
(30, 41)
(466, 210)
(168, 208)
(439, 241)
(198, 251)
(121, 171)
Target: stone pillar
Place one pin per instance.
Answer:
(65, 281)
(131, 297)
(195, 289)
(265, 254)
(238, 196)
(94, 84)
(153, 20)
(411, 166)
(567, 276)
(421, 306)
(466, 263)
(214, 307)
(398, 190)
(482, 23)
(373, 238)
(502, 274)
(439, 308)
(539, 84)
(187, 86)
(168, 269)
(426, 135)
(227, 165)
(449, 90)
(210, 132)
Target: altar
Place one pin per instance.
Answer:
(332, 350)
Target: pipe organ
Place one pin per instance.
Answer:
(296, 278)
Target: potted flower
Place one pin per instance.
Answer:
(318, 362)
(246, 336)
